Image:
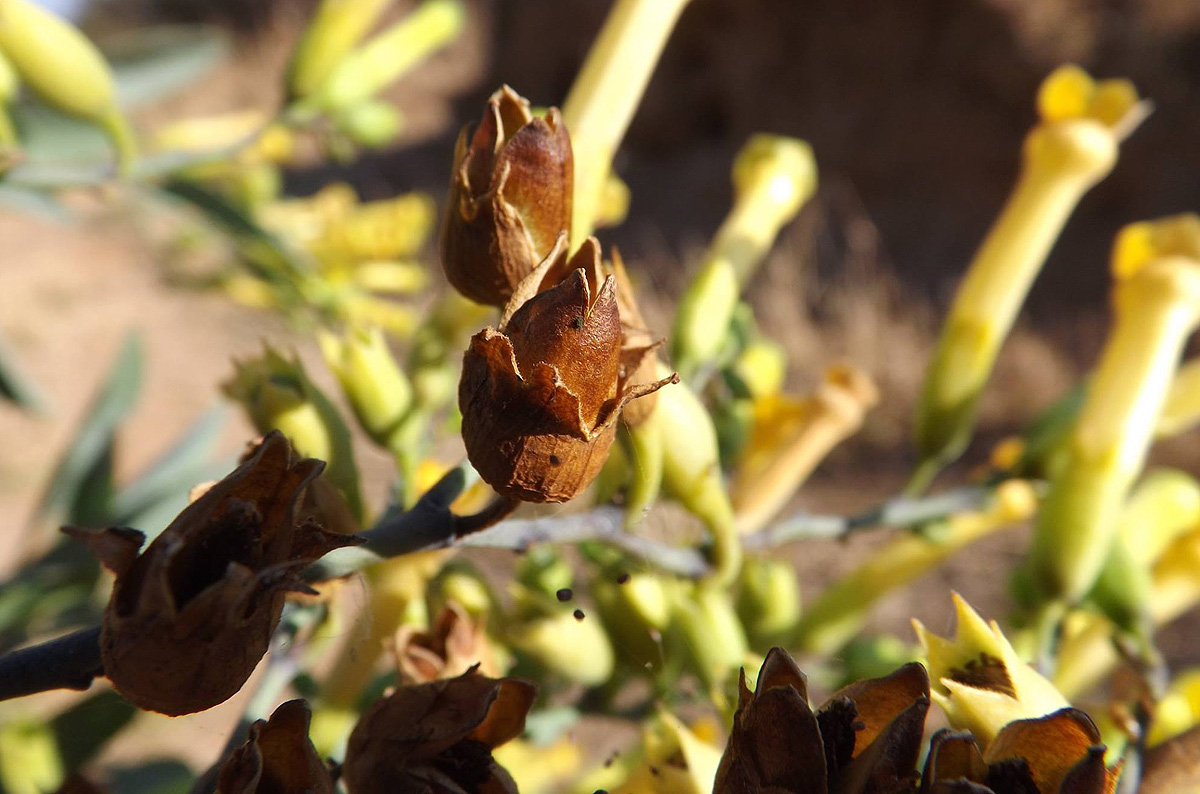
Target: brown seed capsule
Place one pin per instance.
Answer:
(540, 396)
(189, 618)
(452, 645)
(510, 197)
(1059, 753)
(438, 737)
(278, 756)
(866, 738)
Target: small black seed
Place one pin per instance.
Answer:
(654, 771)
(577, 323)
(564, 594)
(554, 460)
(623, 578)
(579, 614)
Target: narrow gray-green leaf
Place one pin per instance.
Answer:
(95, 435)
(153, 63)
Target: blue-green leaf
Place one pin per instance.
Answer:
(85, 457)
(152, 63)
(14, 387)
(169, 479)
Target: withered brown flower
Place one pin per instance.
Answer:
(278, 757)
(866, 738)
(191, 616)
(541, 395)
(438, 737)
(452, 645)
(510, 198)
(1059, 753)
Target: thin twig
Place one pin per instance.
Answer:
(69, 662)
(901, 512)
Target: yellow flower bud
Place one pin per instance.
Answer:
(768, 601)
(366, 71)
(1157, 306)
(614, 203)
(761, 367)
(692, 470)
(706, 631)
(29, 758)
(773, 177)
(10, 83)
(64, 68)
(577, 650)
(1178, 710)
(373, 124)
(979, 681)
(277, 395)
(1070, 150)
(335, 28)
(674, 760)
(636, 609)
(375, 385)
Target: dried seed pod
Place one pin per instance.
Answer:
(438, 737)
(1059, 753)
(189, 618)
(510, 198)
(540, 396)
(454, 644)
(866, 738)
(278, 756)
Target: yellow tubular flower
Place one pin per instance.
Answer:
(390, 54)
(692, 471)
(791, 437)
(773, 177)
(335, 28)
(1073, 148)
(1181, 411)
(1179, 709)
(842, 609)
(606, 93)
(978, 679)
(1157, 306)
(672, 759)
(65, 69)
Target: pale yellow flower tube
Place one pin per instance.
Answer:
(842, 609)
(789, 440)
(604, 96)
(773, 178)
(1073, 148)
(1157, 306)
(1181, 411)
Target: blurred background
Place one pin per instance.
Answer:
(915, 111)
